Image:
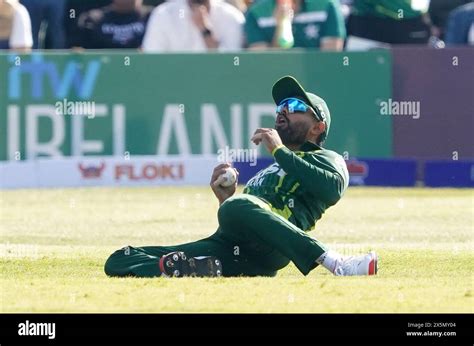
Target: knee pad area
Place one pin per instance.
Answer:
(231, 211)
(111, 264)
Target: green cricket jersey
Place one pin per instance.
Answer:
(395, 9)
(301, 185)
(317, 19)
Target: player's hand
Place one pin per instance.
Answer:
(222, 193)
(270, 138)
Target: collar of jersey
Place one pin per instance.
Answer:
(309, 146)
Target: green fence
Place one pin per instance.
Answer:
(181, 104)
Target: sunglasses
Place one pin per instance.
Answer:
(295, 105)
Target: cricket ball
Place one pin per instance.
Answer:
(230, 176)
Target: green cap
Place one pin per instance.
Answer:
(288, 86)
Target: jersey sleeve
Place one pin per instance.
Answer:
(253, 32)
(334, 25)
(326, 181)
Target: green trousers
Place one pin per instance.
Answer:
(251, 240)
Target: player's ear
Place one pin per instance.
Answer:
(322, 126)
(317, 128)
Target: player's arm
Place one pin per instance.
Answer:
(323, 181)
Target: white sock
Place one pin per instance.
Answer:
(328, 260)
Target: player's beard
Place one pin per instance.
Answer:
(293, 134)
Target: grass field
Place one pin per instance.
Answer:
(54, 244)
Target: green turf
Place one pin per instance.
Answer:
(54, 244)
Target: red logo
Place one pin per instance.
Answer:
(91, 172)
(150, 171)
(358, 170)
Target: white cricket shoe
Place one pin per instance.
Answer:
(357, 265)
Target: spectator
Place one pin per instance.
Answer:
(120, 25)
(315, 24)
(194, 26)
(438, 11)
(74, 10)
(15, 26)
(387, 21)
(460, 25)
(49, 14)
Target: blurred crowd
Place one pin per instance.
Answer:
(230, 25)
